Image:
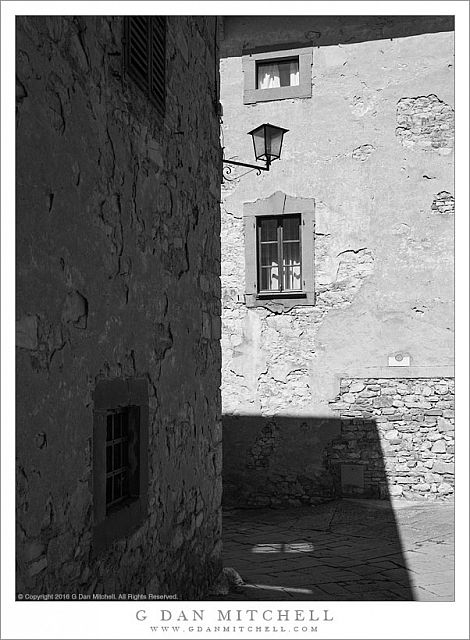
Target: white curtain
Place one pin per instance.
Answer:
(269, 77)
(294, 74)
(273, 284)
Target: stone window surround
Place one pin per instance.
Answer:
(303, 90)
(279, 204)
(110, 395)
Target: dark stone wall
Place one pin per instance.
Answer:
(118, 264)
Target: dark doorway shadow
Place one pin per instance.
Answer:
(307, 510)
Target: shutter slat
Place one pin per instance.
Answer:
(140, 44)
(137, 56)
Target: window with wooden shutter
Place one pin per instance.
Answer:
(145, 55)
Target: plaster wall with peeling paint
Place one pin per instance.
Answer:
(373, 146)
(118, 263)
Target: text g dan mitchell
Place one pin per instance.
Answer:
(236, 615)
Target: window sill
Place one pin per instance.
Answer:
(278, 93)
(280, 301)
(281, 294)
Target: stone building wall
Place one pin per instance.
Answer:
(118, 263)
(391, 437)
(412, 423)
(373, 147)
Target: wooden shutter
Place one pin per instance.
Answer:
(145, 55)
(158, 62)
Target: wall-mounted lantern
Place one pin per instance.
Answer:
(267, 143)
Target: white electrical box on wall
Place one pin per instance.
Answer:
(399, 360)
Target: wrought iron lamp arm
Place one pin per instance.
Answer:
(251, 166)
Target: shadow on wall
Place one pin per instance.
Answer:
(262, 32)
(289, 461)
(286, 462)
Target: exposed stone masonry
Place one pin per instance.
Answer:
(426, 123)
(443, 203)
(402, 429)
(279, 376)
(363, 152)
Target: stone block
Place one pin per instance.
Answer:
(439, 446)
(367, 393)
(443, 467)
(388, 391)
(383, 401)
(444, 425)
(356, 387)
(75, 310)
(402, 389)
(441, 389)
(445, 488)
(27, 332)
(395, 417)
(37, 566)
(33, 550)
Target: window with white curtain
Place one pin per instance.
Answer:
(277, 75)
(282, 73)
(279, 254)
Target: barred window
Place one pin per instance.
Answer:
(145, 55)
(117, 457)
(120, 458)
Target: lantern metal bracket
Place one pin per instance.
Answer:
(251, 166)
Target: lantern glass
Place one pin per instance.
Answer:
(274, 137)
(259, 143)
(267, 142)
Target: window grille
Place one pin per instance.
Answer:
(120, 458)
(145, 56)
(279, 254)
(117, 457)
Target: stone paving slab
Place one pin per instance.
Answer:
(343, 550)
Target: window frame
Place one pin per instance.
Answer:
(277, 205)
(250, 61)
(275, 61)
(263, 293)
(119, 520)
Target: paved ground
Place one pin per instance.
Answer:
(343, 550)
